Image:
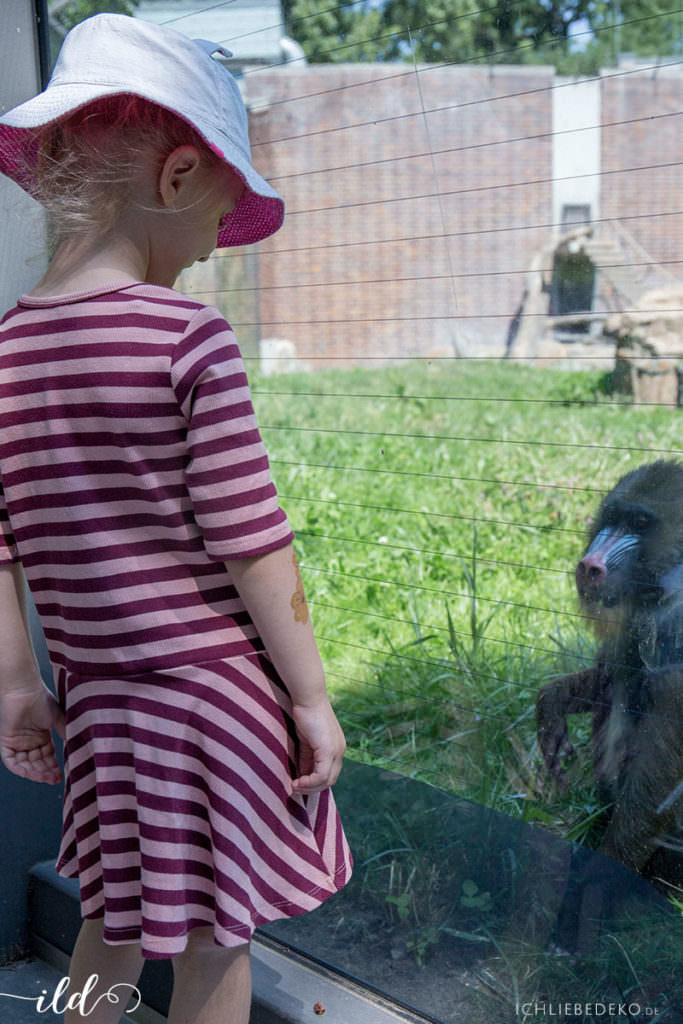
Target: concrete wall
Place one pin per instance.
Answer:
(31, 813)
(576, 147)
(22, 242)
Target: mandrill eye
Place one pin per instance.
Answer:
(641, 521)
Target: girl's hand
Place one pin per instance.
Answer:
(26, 745)
(321, 746)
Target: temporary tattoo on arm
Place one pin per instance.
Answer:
(298, 601)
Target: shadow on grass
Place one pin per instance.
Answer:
(453, 911)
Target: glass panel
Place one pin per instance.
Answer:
(439, 492)
(461, 913)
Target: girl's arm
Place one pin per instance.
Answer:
(28, 711)
(271, 588)
(18, 666)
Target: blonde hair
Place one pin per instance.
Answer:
(89, 161)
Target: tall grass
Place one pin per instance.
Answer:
(439, 509)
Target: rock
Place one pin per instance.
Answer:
(649, 356)
(277, 355)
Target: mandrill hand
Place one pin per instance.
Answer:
(553, 734)
(26, 745)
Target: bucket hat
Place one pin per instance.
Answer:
(112, 54)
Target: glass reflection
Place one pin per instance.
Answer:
(461, 913)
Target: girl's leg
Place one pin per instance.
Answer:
(212, 984)
(115, 965)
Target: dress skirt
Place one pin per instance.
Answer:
(177, 808)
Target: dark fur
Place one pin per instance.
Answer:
(635, 690)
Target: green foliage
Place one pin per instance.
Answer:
(439, 510)
(508, 31)
(472, 896)
(505, 32)
(66, 15)
(632, 963)
(335, 33)
(647, 28)
(424, 893)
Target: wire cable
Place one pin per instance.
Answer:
(480, 440)
(264, 252)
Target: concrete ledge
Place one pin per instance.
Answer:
(287, 987)
(57, 962)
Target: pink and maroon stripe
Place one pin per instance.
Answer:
(130, 455)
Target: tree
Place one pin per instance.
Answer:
(576, 36)
(330, 32)
(64, 14)
(645, 28)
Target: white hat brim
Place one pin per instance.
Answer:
(259, 213)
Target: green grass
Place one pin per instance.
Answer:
(440, 508)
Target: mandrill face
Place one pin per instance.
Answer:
(611, 570)
(635, 555)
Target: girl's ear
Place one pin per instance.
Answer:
(178, 172)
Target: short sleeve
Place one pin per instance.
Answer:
(8, 547)
(234, 500)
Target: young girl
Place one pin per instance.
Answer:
(200, 744)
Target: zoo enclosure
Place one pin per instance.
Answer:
(434, 470)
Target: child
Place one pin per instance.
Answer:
(200, 744)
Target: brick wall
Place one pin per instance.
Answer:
(650, 139)
(416, 203)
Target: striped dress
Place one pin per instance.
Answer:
(131, 471)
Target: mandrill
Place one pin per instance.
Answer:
(630, 581)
